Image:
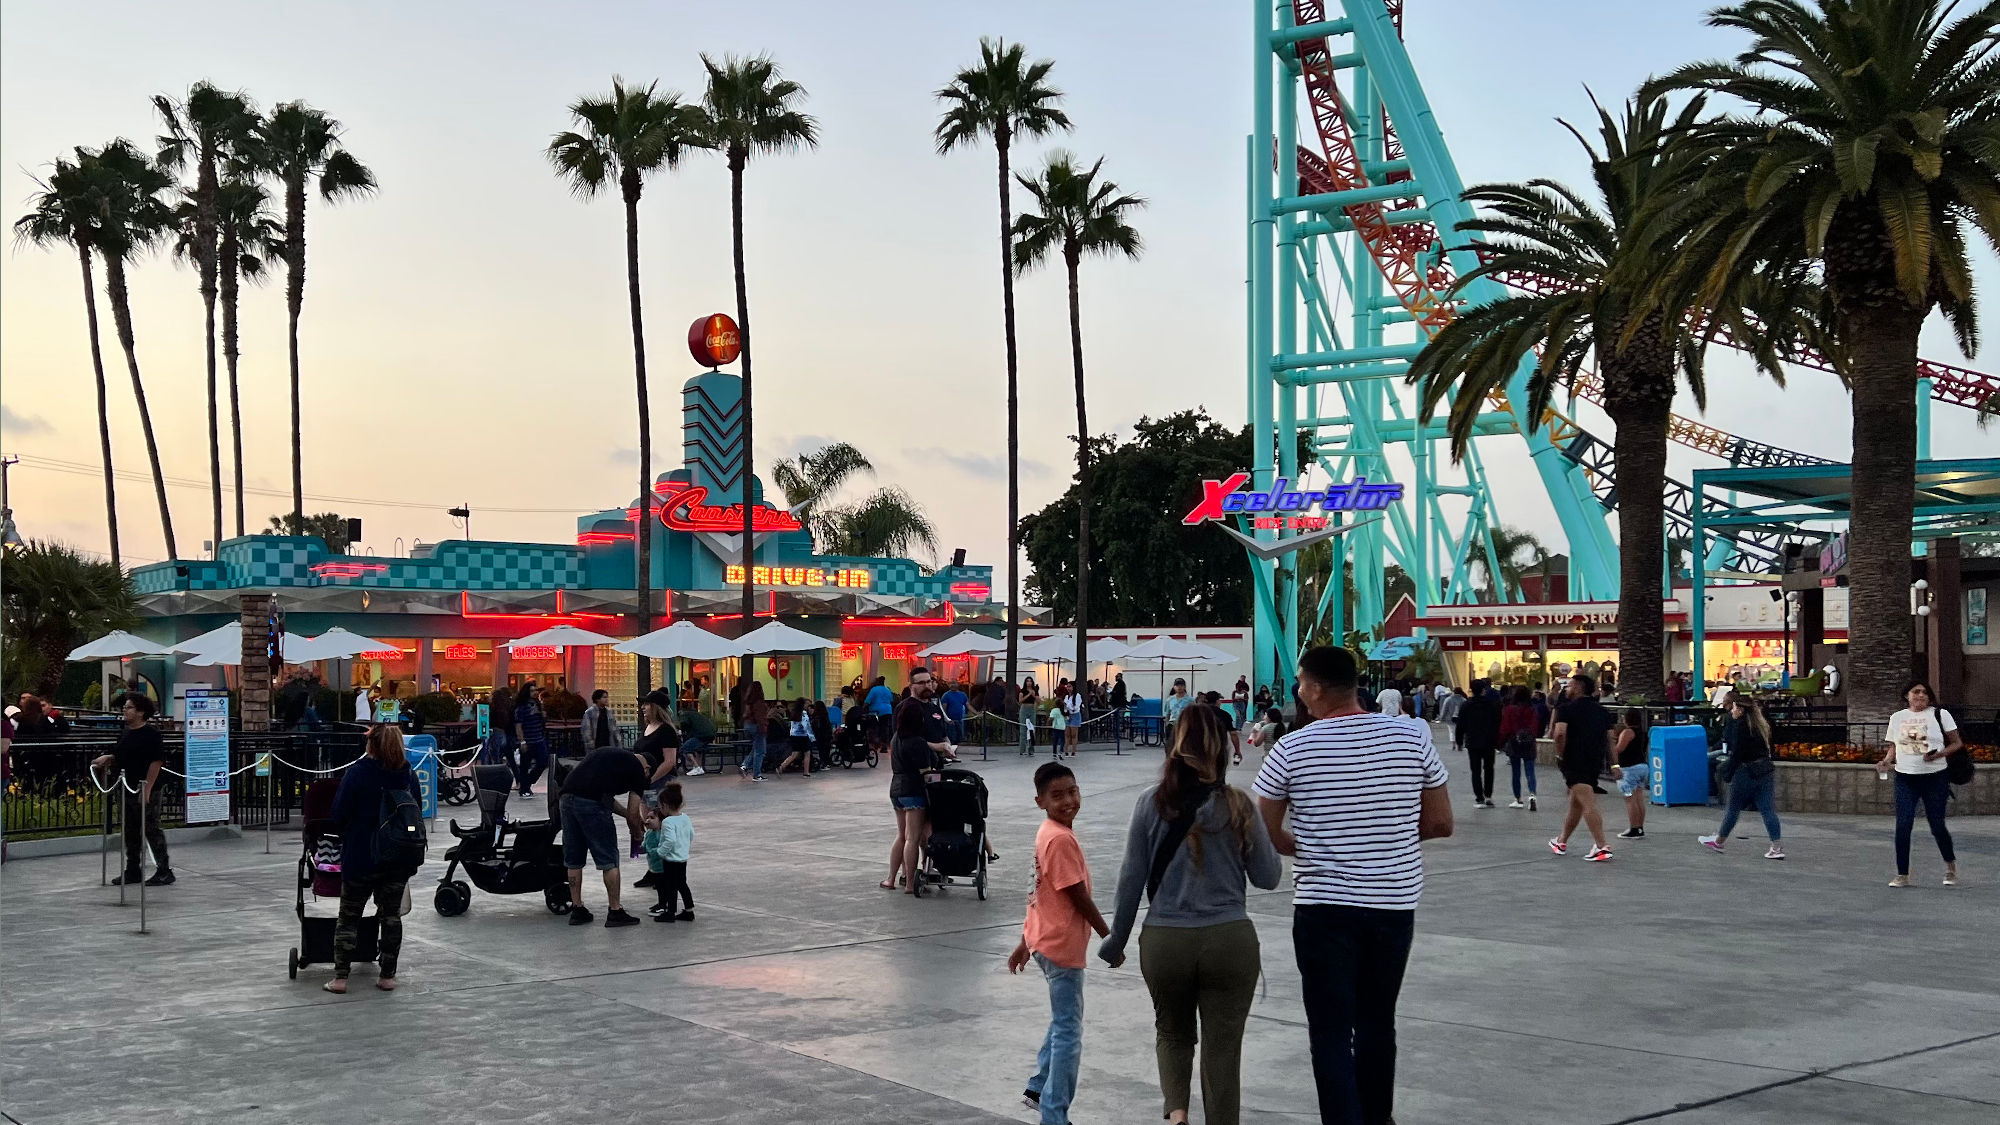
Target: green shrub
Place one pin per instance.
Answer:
(434, 706)
(326, 701)
(93, 697)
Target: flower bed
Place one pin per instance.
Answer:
(1848, 752)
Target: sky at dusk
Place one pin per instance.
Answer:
(465, 334)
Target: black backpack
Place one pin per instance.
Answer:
(400, 840)
(1958, 767)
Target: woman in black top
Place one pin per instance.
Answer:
(910, 759)
(1752, 776)
(822, 728)
(357, 809)
(1633, 773)
(659, 746)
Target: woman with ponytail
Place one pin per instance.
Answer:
(1194, 842)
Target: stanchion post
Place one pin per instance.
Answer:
(270, 780)
(103, 842)
(142, 871)
(124, 837)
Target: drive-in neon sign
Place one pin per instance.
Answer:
(683, 510)
(1223, 498)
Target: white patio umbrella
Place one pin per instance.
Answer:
(1165, 649)
(966, 643)
(1049, 650)
(1107, 650)
(682, 639)
(116, 645)
(225, 637)
(334, 644)
(562, 636)
(291, 648)
(776, 636)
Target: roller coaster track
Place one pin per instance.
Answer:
(1412, 265)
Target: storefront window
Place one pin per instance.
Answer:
(396, 664)
(463, 666)
(1759, 663)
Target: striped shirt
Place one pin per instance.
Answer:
(1355, 784)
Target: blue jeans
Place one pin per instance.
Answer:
(1519, 764)
(1929, 789)
(954, 729)
(754, 762)
(1062, 1048)
(534, 759)
(1351, 961)
(1746, 792)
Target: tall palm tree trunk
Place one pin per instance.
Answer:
(1882, 353)
(1001, 138)
(230, 258)
(103, 400)
(121, 317)
(295, 295)
(1639, 472)
(205, 249)
(644, 525)
(1070, 259)
(749, 417)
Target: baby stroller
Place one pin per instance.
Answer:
(850, 745)
(319, 871)
(455, 784)
(503, 857)
(957, 811)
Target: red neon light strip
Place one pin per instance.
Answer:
(465, 610)
(737, 616)
(346, 569)
(978, 589)
(590, 537)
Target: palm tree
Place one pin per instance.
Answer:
(626, 137)
(809, 480)
(1871, 151)
(301, 146)
(64, 213)
(885, 522)
(1079, 215)
(206, 127)
(55, 599)
(1603, 262)
(251, 240)
(132, 217)
(751, 110)
(1503, 579)
(1004, 97)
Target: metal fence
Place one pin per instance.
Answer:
(51, 791)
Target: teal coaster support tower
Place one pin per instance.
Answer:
(1353, 219)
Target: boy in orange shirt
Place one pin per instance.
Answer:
(1060, 911)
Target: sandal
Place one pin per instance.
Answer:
(886, 885)
(337, 986)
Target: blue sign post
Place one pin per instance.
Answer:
(422, 750)
(207, 756)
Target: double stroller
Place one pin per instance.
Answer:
(319, 872)
(501, 856)
(851, 745)
(957, 811)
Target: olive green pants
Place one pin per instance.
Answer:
(1209, 974)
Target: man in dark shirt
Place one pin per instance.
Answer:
(531, 737)
(923, 686)
(1477, 730)
(137, 760)
(589, 802)
(1582, 730)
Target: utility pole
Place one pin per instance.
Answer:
(7, 532)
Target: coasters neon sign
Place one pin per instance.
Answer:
(1222, 498)
(684, 511)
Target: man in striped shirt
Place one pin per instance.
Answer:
(1362, 790)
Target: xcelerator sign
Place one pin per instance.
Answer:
(1223, 498)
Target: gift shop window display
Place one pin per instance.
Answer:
(1753, 663)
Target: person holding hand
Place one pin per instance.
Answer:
(1060, 910)
(1919, 739)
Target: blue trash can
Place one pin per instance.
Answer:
(1679, 757)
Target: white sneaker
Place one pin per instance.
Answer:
(1531, 802)
(696, 772)
(1516, 805)
(1776, 852)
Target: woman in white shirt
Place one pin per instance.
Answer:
(1919, 737)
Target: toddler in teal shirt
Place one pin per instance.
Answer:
(669, 835)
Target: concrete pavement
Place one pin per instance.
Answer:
(1670, 985)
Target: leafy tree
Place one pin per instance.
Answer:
(1600, 266)
(627, 137)
(1004, 97)
(1150, 568)
(206, 128)
(752, 110)
(330, 526)
(55, 599)
(1872, 155)
(64, 213)
(1078, 215)
(301, 146)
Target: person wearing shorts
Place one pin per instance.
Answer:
(1582, 729)
(1634, 772)
(911, 760)
(589, 805)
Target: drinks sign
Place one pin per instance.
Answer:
(714, 341)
